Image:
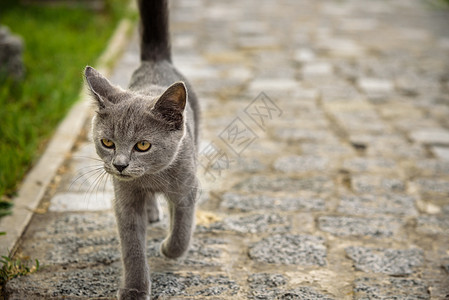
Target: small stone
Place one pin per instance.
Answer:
(433, 136)
(378, 227)
(388, 261)
(290, 249)
(81, 202)
(295, 163)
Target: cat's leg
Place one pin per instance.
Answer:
(182, 223)
(132, 220)
(153, 209)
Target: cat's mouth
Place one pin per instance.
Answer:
(124, 177)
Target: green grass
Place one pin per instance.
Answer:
(59, 42)
(15, 267)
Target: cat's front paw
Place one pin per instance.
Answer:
(172, 251)
(132, 294)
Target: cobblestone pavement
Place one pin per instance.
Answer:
(324, 160)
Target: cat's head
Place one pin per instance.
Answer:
(136, 134)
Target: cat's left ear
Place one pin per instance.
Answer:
(102, 90)
(170, 106)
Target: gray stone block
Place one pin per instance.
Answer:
(81, 202)
(365, 164)
(81, 223)
(432, 167)
(387, 261)
(203, 252)
(92, 282)
(300, 135)
(265, 285)
(189, 285)
(433, 185)
(249, 203)
(303, 293)
(376, 184)
(377, 227)
(258, 183)
(327, 150)
(434, 225)
(83, 251)
(11, 48)
(438, 136)
(295, 163)
(305, 250)
(441, 152)
(266, 223)
(390, 288)
(396, 204)
(375, 86)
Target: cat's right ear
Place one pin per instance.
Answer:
(99, 86)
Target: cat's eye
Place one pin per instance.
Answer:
(142, 146)
(108, 143)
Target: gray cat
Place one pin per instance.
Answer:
(147, 137)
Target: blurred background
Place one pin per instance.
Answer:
(43, 46)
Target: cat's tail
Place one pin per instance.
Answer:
(154, 30)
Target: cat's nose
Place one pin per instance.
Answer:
(120, 167)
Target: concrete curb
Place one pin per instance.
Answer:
(37, 180)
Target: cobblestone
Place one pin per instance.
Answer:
(435, 225)
(390, 288)
(291, 250)
(395, 204)
(291, 164)
(286, 184)
(249, 203)
(387, 261)
(379, 227)
(375, 184)
(272, 223)
(431, 136)
(343, 193)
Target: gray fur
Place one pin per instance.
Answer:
(161, 108)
